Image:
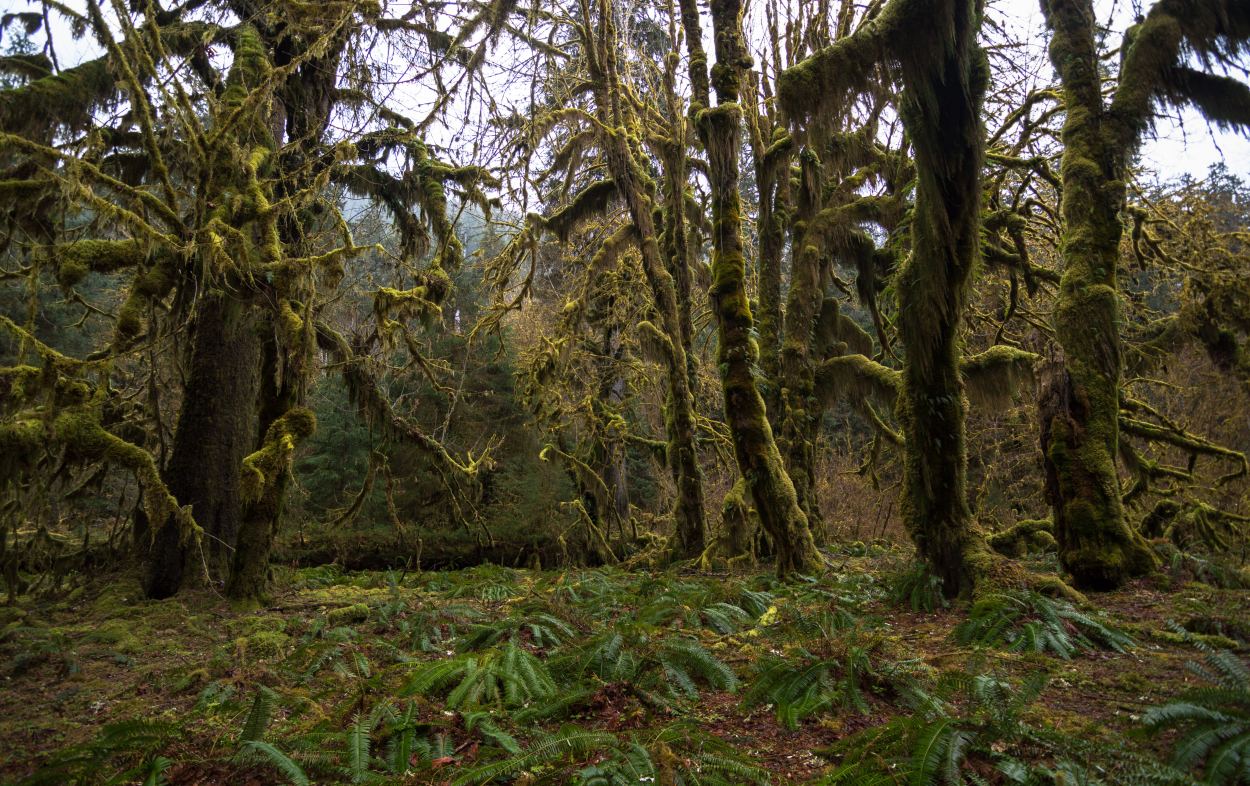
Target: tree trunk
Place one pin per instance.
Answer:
(802, 413)
(266, 473)
(1080, 401)
(773, 182)
(941, 108)
(615, 473)
(632, 185)
(216, 429)
(759, 460)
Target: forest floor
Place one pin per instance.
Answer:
(595, 676)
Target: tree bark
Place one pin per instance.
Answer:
(216, 429)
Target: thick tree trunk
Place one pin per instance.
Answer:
(759, 460)
(216, 429)
(300, 113)
(941, 109)
(1080, 404)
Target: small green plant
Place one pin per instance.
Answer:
(1025, 621)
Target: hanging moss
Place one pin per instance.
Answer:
(78, 428)
(838, 334)
(857, 378)
(75, 260)
(66, 98)
(69, 97)
(592, 201)
(993, 377)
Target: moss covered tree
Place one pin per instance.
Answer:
(213, 194)
(933, 48)
(720, 130)
(1080, 402)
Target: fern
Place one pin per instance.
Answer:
(98, 760)
(545, 631)
(545, 750)
(686, 662)
(1031, 622)
(1214, 721)
(508, 676)
(280, 761)
(358, 743)
(962, 716)
(484, 724)
(797, 690)
(259, 715)
(917, 587)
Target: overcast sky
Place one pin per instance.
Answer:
(1182, 143)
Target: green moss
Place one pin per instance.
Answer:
(263, 644)
(1080, 403)
(75, 260)
(346, 615)
(254, 623)
(1024, 537)
(117, 634)
(261, 469)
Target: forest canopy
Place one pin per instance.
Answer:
(616, 391)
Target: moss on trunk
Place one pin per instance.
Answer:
(263, 480)
(944, 84)
(759, 460)
(1079, 403)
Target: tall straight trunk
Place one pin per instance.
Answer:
(632, 185)
(773, 180)
(940, 109)
(615, 474)
(1079, 404)
(801, 411)
(265, 475)
(759, 460)
(216, 429)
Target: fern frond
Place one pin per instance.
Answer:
(279, 760)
